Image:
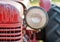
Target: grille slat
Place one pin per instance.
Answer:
(10, 29)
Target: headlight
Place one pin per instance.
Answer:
(36, 18)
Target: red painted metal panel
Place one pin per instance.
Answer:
(8, 14)
(10, 23)
(46, 4)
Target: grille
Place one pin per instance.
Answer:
(10, 34)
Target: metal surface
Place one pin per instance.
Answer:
(46, 4)
(10, 21)
(36, 18)
(26, 3)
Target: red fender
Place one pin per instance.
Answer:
(45, 4)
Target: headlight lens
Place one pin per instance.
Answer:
(36, 17)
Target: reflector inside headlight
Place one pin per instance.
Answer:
(36, 17)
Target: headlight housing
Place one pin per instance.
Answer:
(36, 17)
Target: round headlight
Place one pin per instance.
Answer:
(36, 18)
